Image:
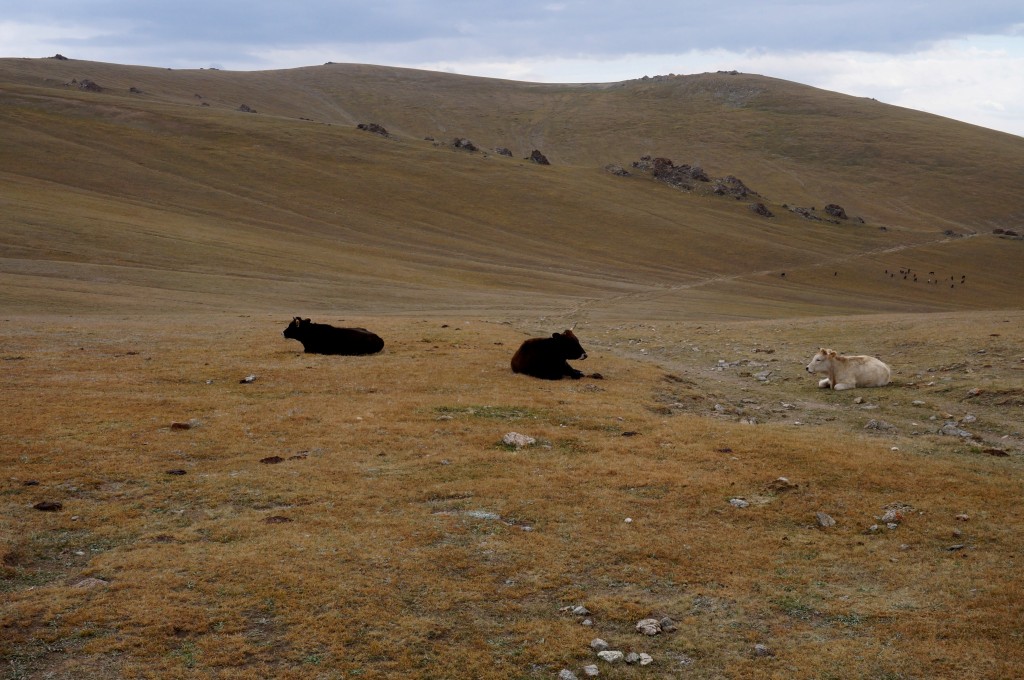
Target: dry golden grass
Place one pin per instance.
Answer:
(394, 561)
(152, 249)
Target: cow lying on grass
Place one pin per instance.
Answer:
(847, 372)
(321, 338)
(547, 357)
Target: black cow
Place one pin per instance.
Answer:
(321, 338)
(546, 357)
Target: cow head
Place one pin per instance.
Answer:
(295, 328)
(821, 361)
(569, 346)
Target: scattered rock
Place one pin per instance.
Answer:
(245, 108)
(835, 211)
(517, 440)
(858, 400)
(89, 86)
(539, 158)
(48, 506)
(667, 625)
(951, 429)
(761, 209)
(989, 451)
(177, 472)
(591, 671)
(963, 517)
(781, 485)
(464, 144)
(763, 651)
(825, 521)
(566, 674)
(580, 610)
(611, 656)
(30, 482)
(648, 626)
(880, 425)
(598, 645)
(646, 659)
(181, 426)
(59, 57)
(248, 379)
(272, 460)
(90, 582)
(956, 547)
(616, 170)
(738, 503)
(502, 151)
(632, 658)
(374, 128)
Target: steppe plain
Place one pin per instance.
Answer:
(231, 507)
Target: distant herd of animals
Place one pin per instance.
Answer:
(548, 358)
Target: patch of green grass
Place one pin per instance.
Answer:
(187, 654)
(490, 412)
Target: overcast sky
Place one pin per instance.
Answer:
(955, 58)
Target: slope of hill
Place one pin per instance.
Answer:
(157, 187)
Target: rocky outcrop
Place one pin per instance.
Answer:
(835, 211)
(539, 158)
(374, 128)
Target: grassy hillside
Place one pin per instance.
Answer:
(117, 199)
(337, 517)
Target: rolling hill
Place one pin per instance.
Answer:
(138, 188)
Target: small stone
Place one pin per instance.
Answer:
(954, 548)
(48, 506)
(598, 645)
(762, 651)
(90, 583)
(667, 625)
(858, 400)
(824, 520)
(628, 520)
(580, 610)
(591, 671)
(632, 658)
(611, 656)
(248, 379)
(891, 516)
(969, 419)
(963, 517)
(738, 503)
(781, 485)
(646, 659)
(587, 622)
(272, 460)
(181, 426)
(872, 529)
(917, 402)
(648, 626)
(566, 674)
(177, 472)
(517, 440)
(30, 482)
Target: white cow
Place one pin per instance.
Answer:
(847, 372)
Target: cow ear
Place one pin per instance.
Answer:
(555, 335)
